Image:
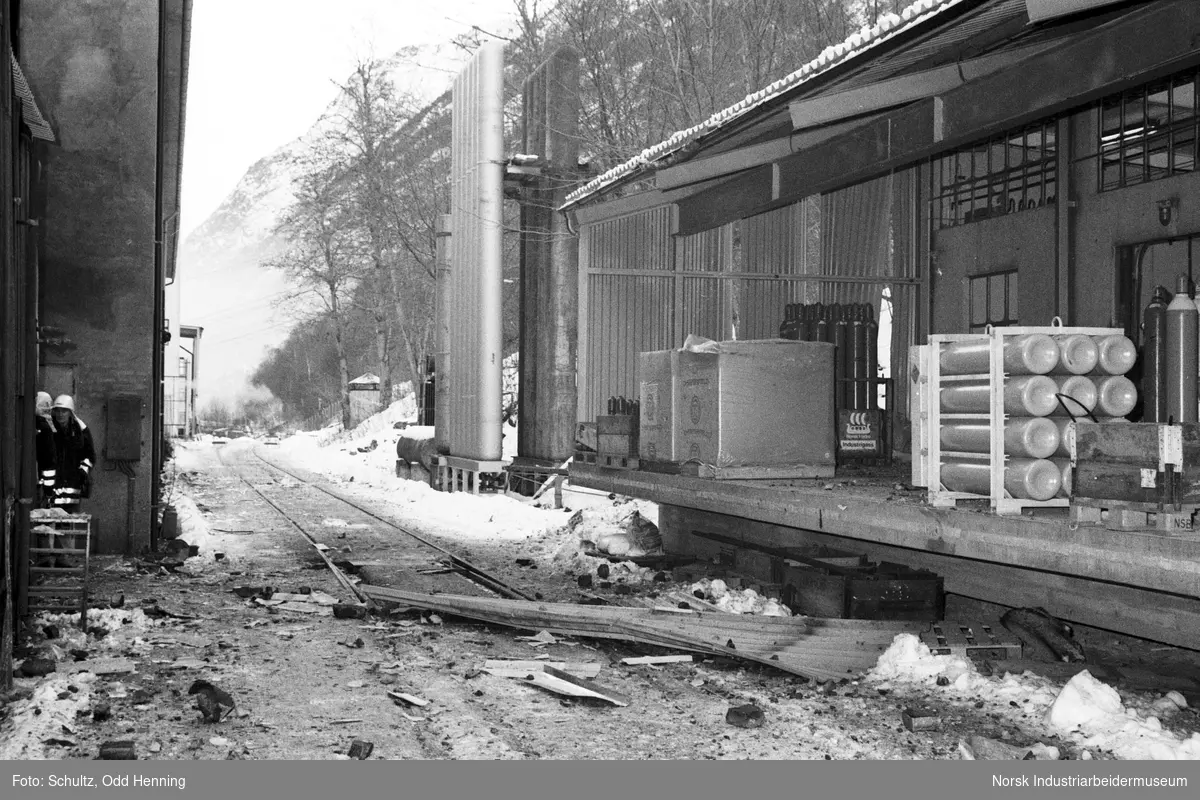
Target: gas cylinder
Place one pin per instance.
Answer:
(1078, 395)
(1116, 396)
(843, 393)
(1077, 354)
(1028, 354)
(1024, 396)
(804, 323)
(1117, 354)
(1024, 437)
(1183, 358)
(858, 358)
(872, 328)
(821, 329)
(1024, 478)
(1154, 357)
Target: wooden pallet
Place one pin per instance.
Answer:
(1117, 515)
(970, 641)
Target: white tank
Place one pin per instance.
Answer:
(1024, 437)
(1117, 354)
(1117, 395)
(1024, 478)
(1028, 354)
(1079, 388)
(1024, 395)
(1077, 354)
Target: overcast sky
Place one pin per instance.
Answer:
(262, 71)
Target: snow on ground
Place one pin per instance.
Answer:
(367, 459)
(1087, 711)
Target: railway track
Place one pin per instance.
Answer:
(460, 566)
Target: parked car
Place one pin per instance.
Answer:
(219, 439)
(271, 440)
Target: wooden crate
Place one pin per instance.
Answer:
(58, 571)
(880, 591)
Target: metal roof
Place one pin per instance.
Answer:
(858, 43)
(30, 113)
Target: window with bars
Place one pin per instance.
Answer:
(1003, 175)
(992, 300)
(1148, 133)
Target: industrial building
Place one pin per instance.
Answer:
(964, 167)
(93, 104)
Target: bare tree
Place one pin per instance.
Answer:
(325, 254)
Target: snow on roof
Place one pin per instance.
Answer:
(366, 377)
(886, 27)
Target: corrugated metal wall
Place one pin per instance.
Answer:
(644, 289)
(472, 368)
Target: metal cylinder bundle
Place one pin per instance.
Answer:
(1182, 357)
(1077, 354)
(1024, 437)
(1024, 478)
(1117, 354)
(852, 329)
(1077, 396)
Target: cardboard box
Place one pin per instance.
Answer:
(656, 399)
(765, 402)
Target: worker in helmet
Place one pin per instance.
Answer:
(44, 450)
(75, 455)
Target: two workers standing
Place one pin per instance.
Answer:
(65, 453)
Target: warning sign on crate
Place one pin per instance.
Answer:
(860, 432)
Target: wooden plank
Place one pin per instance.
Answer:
(568, 685)
(766, 472)
(518, 668)
(410, 699)
(639, 660)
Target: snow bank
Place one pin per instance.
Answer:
(1086, 710)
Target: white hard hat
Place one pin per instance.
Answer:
(64, 401)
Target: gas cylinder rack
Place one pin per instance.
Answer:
(993, 472)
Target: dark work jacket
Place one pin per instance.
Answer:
(75, 456)
(46, 458)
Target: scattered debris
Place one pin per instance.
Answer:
(920, 719)
(564, 683)
(981, 748)
(541, 639)
(513, 668)
(214, 703)
(101, 712)
(123, 750)
(349, 721)
(37, 667)
(349, 611)
(745, 716)
(100, 666)
(657, 660)
(361, 750)
(412, 700)
(1044, 634)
